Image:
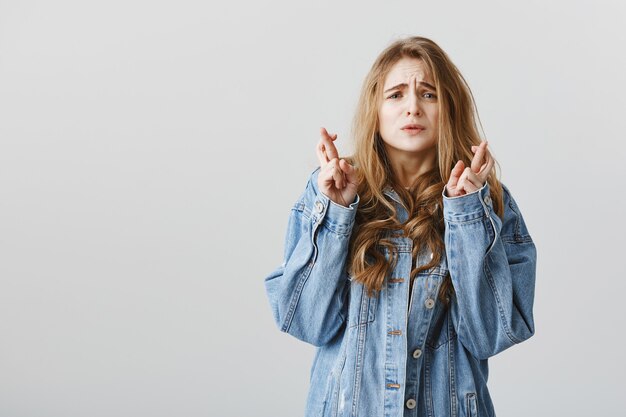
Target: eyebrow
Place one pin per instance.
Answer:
(402, 86)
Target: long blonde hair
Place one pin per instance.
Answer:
(376, 215)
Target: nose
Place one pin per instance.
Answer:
(414, 106)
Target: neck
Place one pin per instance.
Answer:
(407, 167)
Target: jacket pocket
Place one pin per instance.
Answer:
(470, 404)
(362, 309)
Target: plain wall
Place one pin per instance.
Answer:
(150, 152)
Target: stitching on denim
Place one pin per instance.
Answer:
(296, 296)
(302, 208)
(516, 228)
(492, 284)
(438, 346)
(429, 388)
(514, 239)
(336, 228)
(479, 216)
(470, 398)
(452, 368)
(341, 300)
(493, 241)
(358, 366)
(517, 236)
(304, 276)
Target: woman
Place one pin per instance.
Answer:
(408, 264)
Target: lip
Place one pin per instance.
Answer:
(413, 126)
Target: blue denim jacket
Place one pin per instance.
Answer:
(400, 354)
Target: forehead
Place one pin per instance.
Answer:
(404, 69)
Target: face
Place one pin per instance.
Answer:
(409, 98)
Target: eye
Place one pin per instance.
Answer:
(394, 94)
(433, 96)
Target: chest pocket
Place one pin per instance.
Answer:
(438, 333)
(362, 308)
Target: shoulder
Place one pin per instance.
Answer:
(513, 224)
(312, 190)
(310, 195)
(313, 176)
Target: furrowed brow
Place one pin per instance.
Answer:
(402, 86)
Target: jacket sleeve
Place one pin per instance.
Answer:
(492, 264)
(308, 291)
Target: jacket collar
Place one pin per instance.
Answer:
(390, 192)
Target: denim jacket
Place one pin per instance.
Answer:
(400, 354)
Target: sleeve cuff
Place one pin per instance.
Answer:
(468, 206)
(336, 216)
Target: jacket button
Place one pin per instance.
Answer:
(429, 303)
(417, 353)
(410, 404)
(488, 199)
(319, 206)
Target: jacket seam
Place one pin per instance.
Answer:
(478, 215)
(336, 228)
(360, 339)
(513, 239)
(501, 312)
(452, 369)
(304, 276)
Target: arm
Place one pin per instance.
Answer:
(492, 264)
(308, 291)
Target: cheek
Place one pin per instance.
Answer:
(434, 114)
(385, 118)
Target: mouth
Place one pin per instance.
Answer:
(413, 130)
(413, 127)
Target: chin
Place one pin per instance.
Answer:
(420, 146)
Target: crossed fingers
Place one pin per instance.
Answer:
(328, 157)
(464, 180)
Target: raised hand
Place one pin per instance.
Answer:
(337, 178)
(464, 180)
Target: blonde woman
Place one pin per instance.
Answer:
(408, 264)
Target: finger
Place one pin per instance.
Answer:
(477, 160)
(486, 157)
(321, 155)
(349, 171)
(486, 169)
(329, 146)
(337, 173)
(466, 183)
(456, 172)
(474, 147)
(329, 174)
(475, 180)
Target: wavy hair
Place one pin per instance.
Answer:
(376, 216)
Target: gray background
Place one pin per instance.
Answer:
(151, 151)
